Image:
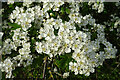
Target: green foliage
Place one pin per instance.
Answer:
(64, 62)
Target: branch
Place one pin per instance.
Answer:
(45, 61)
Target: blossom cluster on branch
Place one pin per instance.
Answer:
(55, 36)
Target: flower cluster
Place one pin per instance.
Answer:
(97, 5)
(7, 66)
(57, 37)
(68, 39)
(18, 39)
(23, 18)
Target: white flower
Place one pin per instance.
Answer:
(15, 37)
(1, 34)
(26, 46)
(10, 2)
(67, 50)
(22, 51)
(100, 8)
(65, 75)
(38, 47)
(55, 69)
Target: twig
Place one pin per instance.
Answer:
(51, 75)
(117, 64)
(44, 68)
(58, 74)
(52, 67)
(116, 67)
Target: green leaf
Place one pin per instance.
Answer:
(98, 2)
(41, 75)
(11, 6)
(63, 63)
(62, 10)
(14, 26)
(67, 11)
